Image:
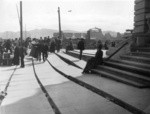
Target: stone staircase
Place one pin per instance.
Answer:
(132, 69)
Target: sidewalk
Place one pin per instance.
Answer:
(25, 96)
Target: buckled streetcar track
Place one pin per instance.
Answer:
(4, 93)
(104, 94)
(50, 100)
(68, 61)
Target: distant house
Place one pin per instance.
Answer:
(95, 34)
(69, 35)
(127, 34)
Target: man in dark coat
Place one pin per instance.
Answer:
(58, 44)
(16, 55)
(52, 46)
(81, 47)
(1, 48)
(39, 47)
(22, 54)
(44, 51)
(8, 46)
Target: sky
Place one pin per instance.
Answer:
(113, 15)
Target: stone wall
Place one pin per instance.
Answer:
(141, 8)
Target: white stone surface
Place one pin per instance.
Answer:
(25, 96)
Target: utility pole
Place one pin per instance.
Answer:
(21, 21)
(60, 33)
(25, 32)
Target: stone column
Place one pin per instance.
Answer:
(142, 8)
(148, 21)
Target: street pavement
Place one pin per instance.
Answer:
(25, 96)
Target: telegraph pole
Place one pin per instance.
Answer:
(25, 32)
(59, 21)
(21, 21)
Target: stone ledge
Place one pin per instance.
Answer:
(148, 15)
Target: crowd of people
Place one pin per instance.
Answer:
(9, 48)
(14, 50)
(39, 49)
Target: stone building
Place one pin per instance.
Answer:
(95, 34)
(142, 22)
(68, 35)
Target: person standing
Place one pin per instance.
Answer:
(8, 46)
(1, 48)
(81, 47)
(33, 51)
(22, 54)
(39, 46)
(16, 55)
(52, 46)
(44, 51)
(58, 44)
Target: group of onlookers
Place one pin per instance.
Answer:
(12, 51)
(18, 48)
(39, 49)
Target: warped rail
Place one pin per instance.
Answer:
(50, 100)
(4, 93)
(68, 61)
(104, 94)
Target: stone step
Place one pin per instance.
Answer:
(84, 57)
(132, 63)
(143, 54)
(84, 53)
(125, 74)
(136, 58)
(144, 49)
(129, 68)
(119, 79)
(147, 45)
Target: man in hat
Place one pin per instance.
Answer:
(81, 47)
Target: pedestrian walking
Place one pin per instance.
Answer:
(33, 51)
(39, 47)
(58, 44)
(52, 46)
(16, 55)
(22, 54)
(44, 51)
(81, 47)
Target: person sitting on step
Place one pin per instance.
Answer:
(94, 61)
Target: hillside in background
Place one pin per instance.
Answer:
(37, 33)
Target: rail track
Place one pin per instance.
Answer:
(95, 90)
(83, 84)
(4, 92)
(50, 100)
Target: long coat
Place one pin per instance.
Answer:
(52, 47)
(16, 56)
(34, 52)
(94, 61)
(81, 45)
